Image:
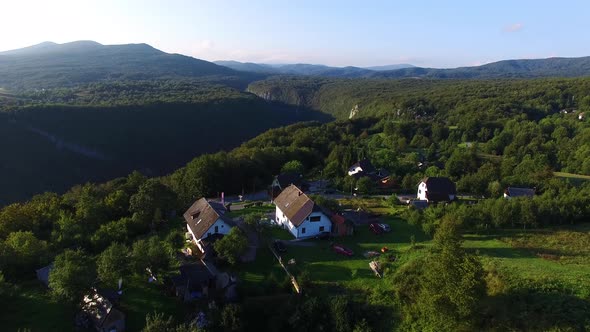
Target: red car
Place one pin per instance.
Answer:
(375, 228)
(342, 250)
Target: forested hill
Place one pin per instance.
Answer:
(411, 98)
(525, 68)
(49, 65)
(56, 138)
(533, 68)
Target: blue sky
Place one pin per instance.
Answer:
(360, 33)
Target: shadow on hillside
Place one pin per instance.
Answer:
(154, 138)
(533, 310)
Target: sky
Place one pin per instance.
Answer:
(441, 34)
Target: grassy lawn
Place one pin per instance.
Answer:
(571, 176)
(280, 234)
(262, 276)
(34, 309)
(141, 298)
(263, 209)
(325, 267)
(558, 258)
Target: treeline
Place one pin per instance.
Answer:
(488, 100)
(557, 205)
(119, 93)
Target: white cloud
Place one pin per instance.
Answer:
(514, 27)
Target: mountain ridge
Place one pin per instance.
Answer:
(50, 65)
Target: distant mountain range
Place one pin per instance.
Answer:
(61, 65)
(551, 67)
(49, 65)
(533, 68)
(308, 69)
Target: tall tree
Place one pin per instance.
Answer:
(72, 275)
(112, 264)
(232, 246)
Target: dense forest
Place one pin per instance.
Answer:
(485, 136)
(450, 101)
(55, 138)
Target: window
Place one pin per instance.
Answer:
(321, 228)
(216, 229)
(419, 191)
(315, 218)
(303, 230)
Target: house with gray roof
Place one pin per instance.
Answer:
(512, 192)
(205, 220)
(296, 212)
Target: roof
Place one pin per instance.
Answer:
(440, 185)
(97, 307)
(287, 179)
(520, 192)
(203, 214)
(193, 275)
(294, 204)
(439, 188)
(365, 165)
(43, 274)
(338, 219)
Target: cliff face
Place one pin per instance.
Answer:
(286, 95)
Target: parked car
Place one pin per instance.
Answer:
(375, 228)
(342, 250)
(279, 246)
(385, 227)
(323, 236)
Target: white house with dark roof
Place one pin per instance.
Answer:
(296, 212)
(436, 189)
(361, 168)
(206, 220)
(512, 192)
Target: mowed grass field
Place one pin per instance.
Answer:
(557, 258)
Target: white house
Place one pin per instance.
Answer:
(436, 189)
(205, 221)
(296, 212)
(363, 167)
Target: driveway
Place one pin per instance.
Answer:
(250, 254)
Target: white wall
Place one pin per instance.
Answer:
(421, 191)
(354, 170)
(311, 228)
(223, 228)
(283, 221)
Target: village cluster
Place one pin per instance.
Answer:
(207, 221)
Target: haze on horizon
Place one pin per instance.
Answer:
(337, 33)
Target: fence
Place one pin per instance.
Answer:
(294, 282)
